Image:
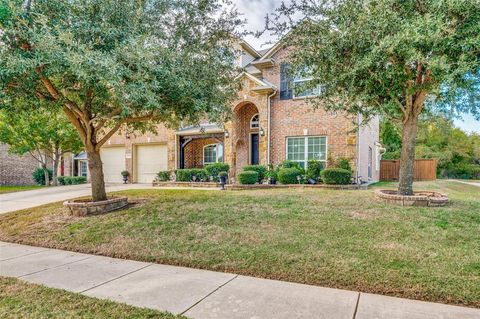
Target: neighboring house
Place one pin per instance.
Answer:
(14, 169)
(269, 124)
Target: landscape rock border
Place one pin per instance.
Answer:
(420, 198)
(81, 207)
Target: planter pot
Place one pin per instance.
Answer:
(223, 180)
(125, 179)
(272, 181)
(85, 207)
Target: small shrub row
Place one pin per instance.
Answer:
(71, 180)
(186, 175)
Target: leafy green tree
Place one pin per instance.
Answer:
(111, 64)
(386, 57)
(44, 134)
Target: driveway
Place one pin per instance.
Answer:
(21, 200)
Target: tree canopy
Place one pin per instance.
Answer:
(386, 57)
(112, 63)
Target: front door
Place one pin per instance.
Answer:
(254, 158)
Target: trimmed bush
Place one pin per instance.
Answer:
(214, 169)
(336, 176)
(462, 171)
(248, 177)
(39, 176)
(260, 169)
(163, 176)
(186, 175)
(344, 164)
(314, 169)
(71, 180)
(291, 164)
(289, 175)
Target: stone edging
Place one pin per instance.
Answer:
(186, 184)
(420, 198)
(268, 186)
(83, 208)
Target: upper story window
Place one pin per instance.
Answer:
(296, 86)
(254, 122)
(212, 153)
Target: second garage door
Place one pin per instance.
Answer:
(113, 160)
(150, 159)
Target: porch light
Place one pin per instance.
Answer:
(227, 134)
(262, 132)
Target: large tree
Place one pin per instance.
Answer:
(386, 57)
(114, 63)
(45, 134)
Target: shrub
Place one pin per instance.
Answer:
(338, 176)
(39, 176)
(163, 176)
(344, 164)
(289, 175)
(214, 169)
(260, 169)
(248, 177)
(223, 174)
(71, 180)
(313, 170)
(291, 164)
(125, 173)
(462, 171)
(186, 175)
(272, 174)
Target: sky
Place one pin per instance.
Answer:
(256, 10)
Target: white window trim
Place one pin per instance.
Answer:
(257, 122)
(295, 81)
(306, 148)
(216, 154)
(81, 168)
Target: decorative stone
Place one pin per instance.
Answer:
(83, 207)
(420, 198)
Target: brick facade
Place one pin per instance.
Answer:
(16, 170)
(288, 118)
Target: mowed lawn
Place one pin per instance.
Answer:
(19, 299)
(12, 189)
(343, 239)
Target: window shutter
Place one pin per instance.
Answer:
(285, 82)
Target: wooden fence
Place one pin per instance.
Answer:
(424, 170)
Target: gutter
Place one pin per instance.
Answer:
(269, 102)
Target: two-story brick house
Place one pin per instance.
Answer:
(269, 124)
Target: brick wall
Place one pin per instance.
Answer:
(16, 170)
(194, 152)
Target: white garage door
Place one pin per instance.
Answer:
(150, 160)
(113, 159)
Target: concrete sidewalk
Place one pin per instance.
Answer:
(27, 199)
(205, 294)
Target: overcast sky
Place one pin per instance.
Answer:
(256, 10)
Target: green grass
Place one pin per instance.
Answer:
(19, 299)
(342, 239)
(12, 189)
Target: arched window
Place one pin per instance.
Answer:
(254, 121)
(212, 153)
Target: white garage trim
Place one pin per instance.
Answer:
(149, 160)
(113, 160)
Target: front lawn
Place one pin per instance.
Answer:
(343, 239)
(19, 299)
(12, 189)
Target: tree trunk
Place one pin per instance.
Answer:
(407, 157)
(56, 160)
(96, 176)
(46, 175)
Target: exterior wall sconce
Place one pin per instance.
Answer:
(262, 132)
(227, 135)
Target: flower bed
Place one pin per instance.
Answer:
(420, 198)
(84, 207)
(186, 184)
(268, 186)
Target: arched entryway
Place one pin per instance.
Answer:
(246, 136)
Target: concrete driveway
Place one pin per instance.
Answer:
(21, 200)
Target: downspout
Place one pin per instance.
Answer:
(268, 124)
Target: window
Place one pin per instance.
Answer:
(301, 86)
(83, 168)
(303, 149)
(254, 121)
(212, 153)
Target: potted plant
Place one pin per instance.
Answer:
(271, 177)
(125, 175)
(223, 179)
